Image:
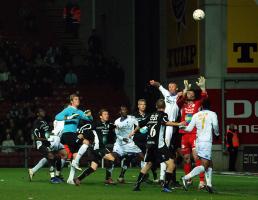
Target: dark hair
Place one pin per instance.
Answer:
(206, 104)
(160, 104)
(102, 110)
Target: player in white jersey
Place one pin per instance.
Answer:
(170, 97)
(124, 146)
(206, 122)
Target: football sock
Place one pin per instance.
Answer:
(39, 165)
(140, 179)
(168, 177)
(80, 153)
(86, 173)
(187, 168)
(198, 163)
(109, 169)
(208, 176)
(163, 167)
(197, 170)
(72, 173)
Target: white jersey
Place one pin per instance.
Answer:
(172, 108)
(205, 121)
(124, 128)
(58, 128)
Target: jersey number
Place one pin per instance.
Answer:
(153, 131)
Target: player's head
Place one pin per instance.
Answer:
(142, 105)
(74, 100)
(172, 87)
(206, 105)
(104, 115)
(190, 95)
(123, 111)
(41, 113)
(160, 105)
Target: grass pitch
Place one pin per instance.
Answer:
(14, 185)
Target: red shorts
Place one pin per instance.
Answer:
(188, 143)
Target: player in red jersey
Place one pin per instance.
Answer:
(190, 105)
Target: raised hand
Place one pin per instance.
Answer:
(201, 82)
(187, 86)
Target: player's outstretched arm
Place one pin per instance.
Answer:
(154, 83)
(134, 131)
(170, 123)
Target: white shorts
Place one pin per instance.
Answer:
(204, 149)
(58, 128)
(126, 148)
(55, 144)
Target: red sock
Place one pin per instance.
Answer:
(187, 168)
(69, 153)
(198, 163)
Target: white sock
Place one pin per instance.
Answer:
(208, 176)
(40, 164)
(163, 168)
(80, 153)
(72, 173)
(142, 164)
(62, 163)
(197, 170)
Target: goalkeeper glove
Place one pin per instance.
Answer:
(187, 86)
(72, 116)
(201, 82)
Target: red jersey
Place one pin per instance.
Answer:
(188, 109)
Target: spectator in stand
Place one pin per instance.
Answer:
(7, 144)
(71, 78)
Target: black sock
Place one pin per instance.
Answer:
(109, 168)
(86, 173)
(122, 174)
(168, 177)
(174, 176)
(140, 179)
(154, 173)
(58, 164)
(51, 164)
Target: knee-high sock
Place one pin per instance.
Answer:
(140, 179)
(86, 173)
(58, 166)
(109, 169)
(174, 176)
(187, 168)
(197, 170)
(201, 175)
(39, 165)
(51, 164)
(72, 173)
(168, 178)
(154, 172)
(80, 153)
(208, 176)
(163, 168)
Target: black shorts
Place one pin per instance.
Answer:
(157, 155)
(141, 145)
(89, 135)
(96, 155)
(44, 150)
(72, 141)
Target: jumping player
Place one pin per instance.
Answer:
(205, 121)
(157, 150)
(190, 105)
